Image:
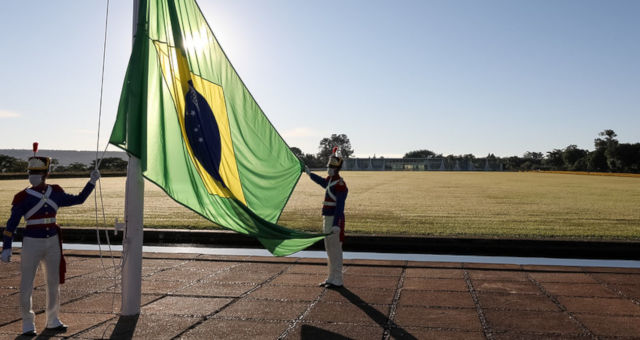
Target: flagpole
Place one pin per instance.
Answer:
(132, 242)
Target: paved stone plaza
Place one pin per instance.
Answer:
(228, 297)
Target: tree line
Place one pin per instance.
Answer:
(609, 155)
(10, 164)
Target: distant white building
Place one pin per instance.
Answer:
(422, 164)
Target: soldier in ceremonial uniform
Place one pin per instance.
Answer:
(41, 242)
(333, 217)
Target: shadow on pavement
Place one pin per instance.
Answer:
(311, 332)
(394, 330)
(125, 327)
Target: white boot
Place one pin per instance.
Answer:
(334, 251)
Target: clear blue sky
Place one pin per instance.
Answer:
(451, 76)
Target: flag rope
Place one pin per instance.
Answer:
(97, 163)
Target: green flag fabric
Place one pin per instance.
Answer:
(198, 132)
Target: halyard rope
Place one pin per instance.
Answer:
(97, 162)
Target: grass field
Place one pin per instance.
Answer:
(468, 204)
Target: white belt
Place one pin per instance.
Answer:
(330, 204)
(42, 221)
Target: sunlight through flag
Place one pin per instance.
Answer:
(198, 132)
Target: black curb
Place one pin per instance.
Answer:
(621, 250)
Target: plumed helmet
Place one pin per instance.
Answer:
(335, 160)
(37, 163)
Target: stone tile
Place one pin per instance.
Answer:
(531, 321)
(275, 259)
(308, 269)
(434, 334)
(4, 292)
(632, 291)
(454, 319)
(225, 258)
(260, 267)
(418, 264)
(236, 330)
(511, 335)
(435, 284)
(299, 279)
(374, 271)
(423, 298)
(178, 274)
(145, 327)
(11, 282)
(551, 269)
(163, 264)
(618, 278)
(498, 275)
(172, 256)
(434, 273)
(485, 266)
(611, 326)
(381, 282)
(335, 331)
(292, 293)
(360, 296)
(563, 277)
(209, 267)
(77, 323)
(10, 271)
(87, 284)
(100, 303)
(530, 302)
(190, 306)
(348, 312)
(578, 289)
(215, 289)
(9, 314)
(312, 261)
(600, 305)
(391, 263)
(239, 276)
(263, 310)
(511, 287)
(611, 270)
(162, 287)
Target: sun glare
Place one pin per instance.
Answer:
(198, 40)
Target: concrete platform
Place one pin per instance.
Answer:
(189, 296)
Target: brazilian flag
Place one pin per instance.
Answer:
(198, 132)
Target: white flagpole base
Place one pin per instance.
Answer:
(132, 241)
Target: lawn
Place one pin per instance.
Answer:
(467, 204)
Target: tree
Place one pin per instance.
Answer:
(627, 157)
(597, 161)
(297, 152)
(75, 167)
(554, 160)
(609, 145)
(12, 164)
(110, 163)
(327, 144)
(574, 158)
(532, 160)
(424, 153)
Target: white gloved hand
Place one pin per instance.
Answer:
(6, 255)
(95, 175)
(335, 230)
(306, 169)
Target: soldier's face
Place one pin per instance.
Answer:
(36, 178)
